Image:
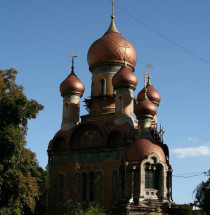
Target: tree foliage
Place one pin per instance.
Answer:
(202, 195)
(76, 209)
(21, 179)
(187, 210)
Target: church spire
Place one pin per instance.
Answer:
(112, 27)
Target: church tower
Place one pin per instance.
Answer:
(109, 157)
(124, 82)
(71, 90)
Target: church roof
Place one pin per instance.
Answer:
(145, 108)
(141, 148)
(124, 78)
(72, 85)
(152, 94)
(109, 49)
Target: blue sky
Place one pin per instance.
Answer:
(37, 37)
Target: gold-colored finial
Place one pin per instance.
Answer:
(125, 46)
(112, 27)
(72, 62)
(149, 66)
(145, 85)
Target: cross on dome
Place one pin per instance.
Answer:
(145, 77)
(72, 64)
(149, 66)
(112, 27)
(145, 85)
(125, 46)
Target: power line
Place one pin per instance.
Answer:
(162, 35)
(190, 176)
(193, 173)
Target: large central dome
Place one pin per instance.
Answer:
(109, 49)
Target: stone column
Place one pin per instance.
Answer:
(142, 182)
(164, 182)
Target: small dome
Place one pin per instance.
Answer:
(140, 149)
(152, 94)
(145, 108)
(108, 49)
(72, 85)
(124, 78)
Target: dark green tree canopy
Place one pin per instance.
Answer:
(22, 181)
(202, 194)
(15, 108)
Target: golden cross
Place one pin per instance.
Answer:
(149, 66)
(72, 66)
(145, 81)
(73, 55)
(113, 2)
(125, 46)
(145, 85)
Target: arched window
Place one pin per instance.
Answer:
(150, 179)
(114, 187)
(99, 187)
(102, 90)
(88, 187)
(66, 111)
(120, 105)
(122, 178)
(76, 187)
(60, 189)
(78, 111)
(84, 186)
(92, 186)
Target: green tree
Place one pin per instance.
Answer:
(202, 194)
(22, 181)
(188, 210)
(76, 209)
(94, 208)
(199, 213)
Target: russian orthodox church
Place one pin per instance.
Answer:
(110, 157)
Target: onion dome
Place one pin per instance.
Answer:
(124, 78)
(72, 85)
(108, 49)
(145, 108)
(141, 148)
(152, 94)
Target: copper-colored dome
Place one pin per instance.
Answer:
(72, 85)
(124, 78)
(152, 94)
(140, 149)
(145, 108)
(108, 49)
